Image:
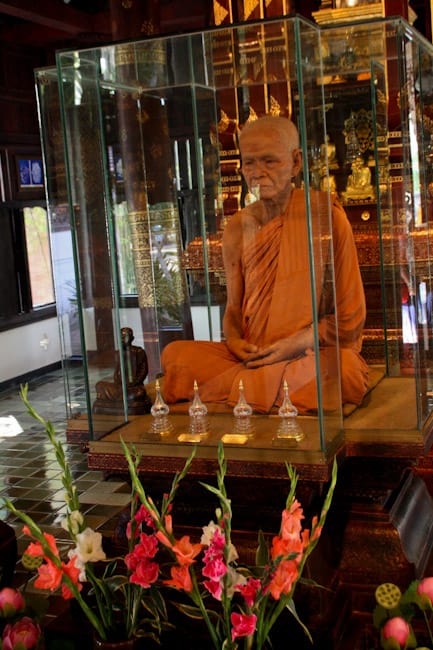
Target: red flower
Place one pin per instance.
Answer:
(249, 591)
(50, 576)
(145, 574)
(284, 547)
(291, 521)
(185, 551)
(73, 573)
(145, 549)
(35, 548)
(242, 624)
(283, 579)
(180, 578)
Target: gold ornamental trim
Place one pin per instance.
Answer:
(128, 54)
(220, 13)
(249, 7)
(348, 14)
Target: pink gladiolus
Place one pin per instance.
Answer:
(242, 624)
(214, 587)
(23, 635)
(396, 628)
(11, 601)
(425, 588)
(218, 540)
(215, 569)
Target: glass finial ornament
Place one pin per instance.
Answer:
(242, 413)
(198, 420)
(161, 425)
(288, 428)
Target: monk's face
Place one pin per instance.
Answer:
(270, 160)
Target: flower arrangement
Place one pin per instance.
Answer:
(118, 602)
(239, 604)
(19, 625)
(245, 602)
(395, 612)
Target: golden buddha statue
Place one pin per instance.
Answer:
(359, 187)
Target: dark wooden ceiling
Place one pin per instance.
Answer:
(61, 23)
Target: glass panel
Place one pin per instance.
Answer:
(415, 199)
(61, 238)
(153, 184)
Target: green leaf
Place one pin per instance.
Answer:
(189, 610)
(262, 553)
(292, 609)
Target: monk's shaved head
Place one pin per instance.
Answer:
(281, 126)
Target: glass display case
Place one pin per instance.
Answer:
(143, 176)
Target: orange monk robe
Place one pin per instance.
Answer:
(278, 301)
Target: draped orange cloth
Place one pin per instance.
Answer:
(281, 291)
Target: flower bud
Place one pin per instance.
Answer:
(396, 628)
(425, 588)
(11, 602)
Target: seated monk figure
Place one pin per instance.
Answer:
(359, 185)
(267, 323)
(109, 394)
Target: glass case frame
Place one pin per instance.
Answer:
(146, 170)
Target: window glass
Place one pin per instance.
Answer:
(39, 257)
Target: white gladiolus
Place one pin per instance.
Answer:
(74, 522)
(208, 532)
(89, 546)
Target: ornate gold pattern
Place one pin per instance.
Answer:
(220, 13)
(127, 4)
(252, 117)
(275, 108)
(224, 122)
(139, 225)
(360, 123)
(147, 27)
(249, 6)
(154, 54)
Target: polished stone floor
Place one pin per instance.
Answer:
(29, 473)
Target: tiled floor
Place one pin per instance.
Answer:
(30, 476)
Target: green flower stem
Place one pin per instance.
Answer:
(103, 599)
(72, 496)
(198, 600)
(427, 622)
